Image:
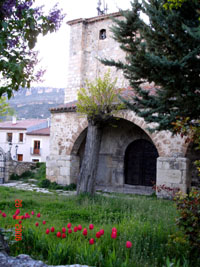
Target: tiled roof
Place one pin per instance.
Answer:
(96, 18)
(69, 107)
(44, 131)
(21, 125)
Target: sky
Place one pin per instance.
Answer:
(54, 48)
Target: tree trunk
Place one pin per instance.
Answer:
(87, 176)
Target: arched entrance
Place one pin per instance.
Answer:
(140, 163)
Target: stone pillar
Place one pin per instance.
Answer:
(8, 167)
(172, 172)
(62, 169)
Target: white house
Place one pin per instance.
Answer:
(27, 140)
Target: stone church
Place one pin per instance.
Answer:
(131, 159)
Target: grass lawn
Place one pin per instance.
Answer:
(145, 221)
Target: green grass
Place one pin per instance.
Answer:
(145, 221)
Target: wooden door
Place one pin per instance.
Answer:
(140, 163)
(36, 147)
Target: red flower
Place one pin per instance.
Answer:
(0, 211)
(28, 216)
(22, 217)
(79, 227)
(69, 225)
(70, 231)
(38, 215)
(85, 231)
(58, 234)
(91, 226)
(63, 235)
(91, 241)
(63, 229)
(101, 232)
(3, 214)
(47, 231)
(98, 235)
(32, 212)
(128, 244)
(14, 217)
(36, 224)
(20, 222)
(114, 235)
(17, 211)
(114, 229)
(52, 229)
(44, 222)
(75, 229)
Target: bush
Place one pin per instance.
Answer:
(45, 183)
(188, 206)
(14, 176)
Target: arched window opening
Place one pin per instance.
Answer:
(102, 34)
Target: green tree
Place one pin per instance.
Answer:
(165, 51)
(99, 102)
(20, 25)
(5, 109)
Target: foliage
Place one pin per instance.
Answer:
(176, 3)
(99, 100)
(146, 222)
(189, 219)
(20, 26)
(165, 54)
(5, 109)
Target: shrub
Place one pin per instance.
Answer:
(14, 176)
(188, 206)
(45, 183)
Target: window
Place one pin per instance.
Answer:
(36, 148)
(35, 160)
(21, 137)
(9, 137)
(20, 157)
(102, 34)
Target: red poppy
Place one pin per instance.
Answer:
(98, 235)
(114, 229)
(85, 231)
(28, 216)
(70, 231)
(22, 217)
(58, 234)
(3, 214)
(0, 211)
(63, 229)
(91, 241)
(114, 235)
(36, 224)
(20, 222)
(32, 212)
(44, 222)
(75, 229)
(47, 231)
(69, 225)
(52, 229)
(101, 232)
(63, 235)
(38, 215)
(79, 227)
(91, 226)
(128, 244)
(14, 217)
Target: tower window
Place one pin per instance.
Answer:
(102, 34)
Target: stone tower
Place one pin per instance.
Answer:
(91, 39)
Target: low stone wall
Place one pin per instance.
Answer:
(17, 167)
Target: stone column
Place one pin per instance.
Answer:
(172, 172)
(8, 167)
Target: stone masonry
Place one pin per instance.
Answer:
(68, 129)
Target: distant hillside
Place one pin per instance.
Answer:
(36, 101)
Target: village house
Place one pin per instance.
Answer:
(131, 159)
(27, 140)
